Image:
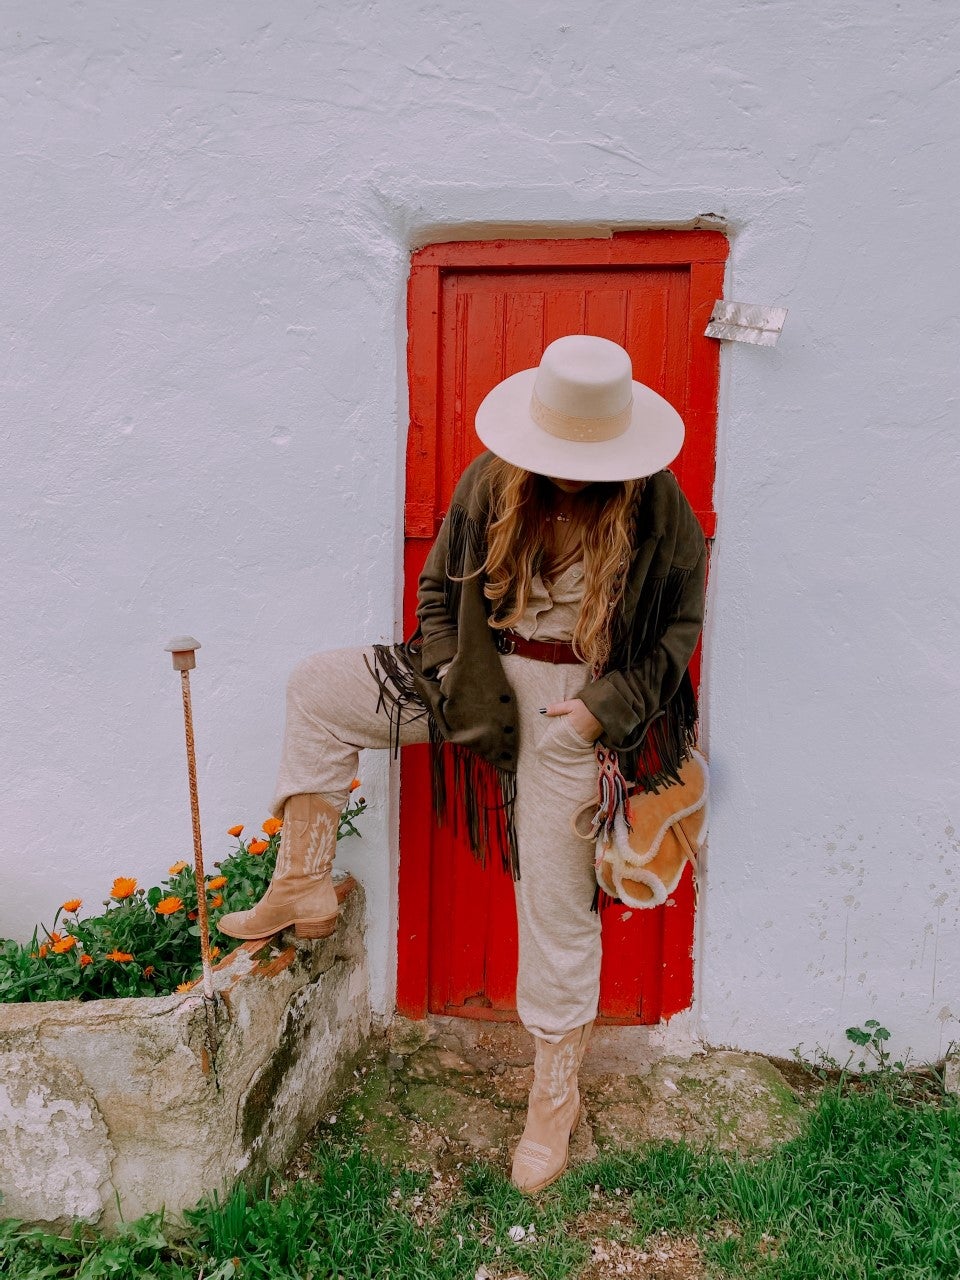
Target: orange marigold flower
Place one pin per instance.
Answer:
(64, 944)
(148, 970)
(43, 949)
(72, 904)
(272, 826)
(234, 831)
(85, 960)
(191, 915)
(55, 937)
(121, 957)
(167, 906)
(217, 900)
(217, 882)
(214, 952)
(178, 867)
(257, 846)
(185, 986)
(354, 784)
(123, 887)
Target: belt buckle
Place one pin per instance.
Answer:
(507, 643)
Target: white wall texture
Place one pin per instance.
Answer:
(207, 216)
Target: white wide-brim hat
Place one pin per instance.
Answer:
(580, 416)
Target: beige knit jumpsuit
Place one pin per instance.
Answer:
(332, 714)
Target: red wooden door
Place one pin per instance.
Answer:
(478, 312)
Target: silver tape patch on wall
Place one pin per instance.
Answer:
(746, 322)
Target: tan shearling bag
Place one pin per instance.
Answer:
(641, 860)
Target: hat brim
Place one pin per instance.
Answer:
(652, 439)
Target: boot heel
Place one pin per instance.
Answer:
(315, 928)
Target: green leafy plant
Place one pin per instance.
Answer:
(872, 1037)
(147, 941)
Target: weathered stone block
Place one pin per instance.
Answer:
(141, 1101)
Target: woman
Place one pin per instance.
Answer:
(558, 609)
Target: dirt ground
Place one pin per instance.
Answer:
(438, 1096)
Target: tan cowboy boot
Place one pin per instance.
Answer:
(553, 1111)
(301, 894)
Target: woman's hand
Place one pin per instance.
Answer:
(581, 718)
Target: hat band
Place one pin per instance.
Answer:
(569, 426)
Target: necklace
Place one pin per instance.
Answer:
(561, 516)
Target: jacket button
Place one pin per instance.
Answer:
(506, 755)
(508, 728)
(504, 697)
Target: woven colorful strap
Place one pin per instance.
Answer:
(613, 789)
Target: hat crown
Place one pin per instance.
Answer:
(584, 377)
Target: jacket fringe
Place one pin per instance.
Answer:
(471, 791)
(468, 791)
(656, 759)
(399, 695)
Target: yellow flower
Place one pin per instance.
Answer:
(121, 957)
(185, 986)
(217, 882)
(123, 887)
(72, 904)
(64, 944)
(234, 831)
(178, 867)
(167, 906)
(85, 960)
(257, 846)
(272, 826)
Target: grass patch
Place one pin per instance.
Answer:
(870, 1189)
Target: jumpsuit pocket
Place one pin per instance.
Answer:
(567, 764)
(561, 741)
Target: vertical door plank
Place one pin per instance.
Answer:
(621, 973)
(501, 967)
(523, 329)
(647, 332)
(565, 310)
(607, 309)
(677, 949)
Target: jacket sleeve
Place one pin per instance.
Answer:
(438, 630)
(625, 700)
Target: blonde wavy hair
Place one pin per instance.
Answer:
(522, 503)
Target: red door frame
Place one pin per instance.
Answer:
(704, 253)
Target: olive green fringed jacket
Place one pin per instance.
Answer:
(644, 700)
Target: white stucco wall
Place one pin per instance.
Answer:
(207, 215)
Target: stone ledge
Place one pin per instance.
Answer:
(127, 1099)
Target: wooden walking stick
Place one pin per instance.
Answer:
(183, 649)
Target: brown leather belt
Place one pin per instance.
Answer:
(539, 650)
